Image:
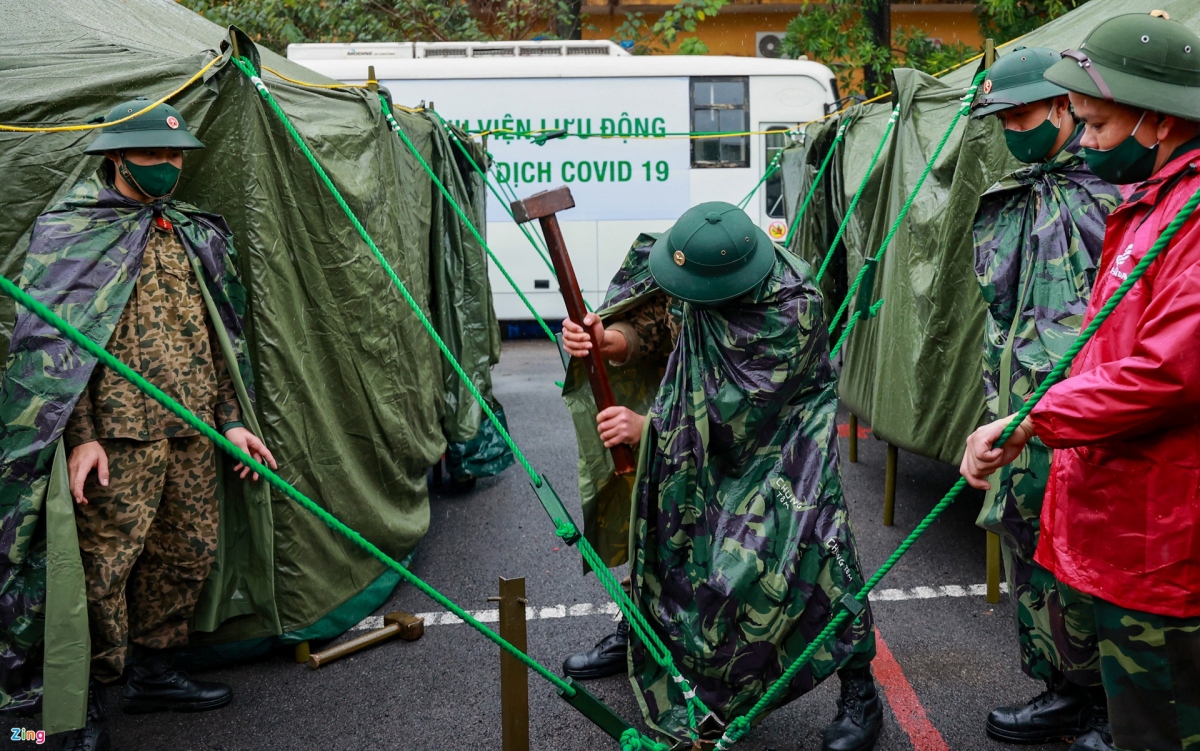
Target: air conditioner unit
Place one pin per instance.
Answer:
(768, 43)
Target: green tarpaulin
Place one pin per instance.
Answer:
(352, 393)
(914, 372)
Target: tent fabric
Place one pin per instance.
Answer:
(914, 372)
(350, 387)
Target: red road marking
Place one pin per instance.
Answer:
(910, 715)
(844, 431)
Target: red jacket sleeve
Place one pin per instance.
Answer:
(1158, 384)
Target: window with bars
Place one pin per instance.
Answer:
(721, 105)
(773, 187)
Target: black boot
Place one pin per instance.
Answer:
(1099, 734)
(154, 686)
(860, 714)
(1059, 713)
(605, 659)
(94, 735)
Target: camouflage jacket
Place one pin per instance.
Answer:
(740, 539)
(1038, 234)
(84, 258)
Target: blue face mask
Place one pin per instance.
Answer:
(1127, 162)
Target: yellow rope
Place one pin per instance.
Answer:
(308, 85)
(94, 126)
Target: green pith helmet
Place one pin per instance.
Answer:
(1016, 80)
(1140, 60)
(714, 253)
(160, 128)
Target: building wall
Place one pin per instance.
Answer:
(732, 31)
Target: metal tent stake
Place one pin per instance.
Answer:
(514, 676)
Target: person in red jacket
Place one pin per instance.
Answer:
(1121, 517)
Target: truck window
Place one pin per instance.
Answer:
(721, 105)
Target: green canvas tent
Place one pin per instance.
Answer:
(352, 395)
(914, 372)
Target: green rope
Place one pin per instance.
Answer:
(631, 613)
(387, 267)
(853, 320)
(650, 639)
(770, 170)
(862, 186)
(462, 215)
(74, 335)
(531, 236)
(539, 245)
(963, 109)
(632, 740)
(837, 139)
(740, 727)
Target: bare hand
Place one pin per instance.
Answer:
(620, 425)
(83, 459)
(252, 445)
(576, 339)
(980, 459)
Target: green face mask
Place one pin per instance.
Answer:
(1032, 145)
(155, 180)
(1127, 162)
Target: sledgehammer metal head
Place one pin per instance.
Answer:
(546, 203)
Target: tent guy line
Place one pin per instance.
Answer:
(445, 618)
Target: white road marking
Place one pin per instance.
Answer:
(443, 618)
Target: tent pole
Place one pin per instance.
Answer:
(889, 487)
(993, 540)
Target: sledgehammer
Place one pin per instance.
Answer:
(544, 207)
(405, 625)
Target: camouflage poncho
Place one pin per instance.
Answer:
(84, 258)
(1038, 235)
(740, 537)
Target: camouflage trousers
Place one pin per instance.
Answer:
(1151, 669)
(1056, 630)
(148, 541)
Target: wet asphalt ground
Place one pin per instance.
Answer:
(442, 693)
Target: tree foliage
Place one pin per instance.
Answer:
(1003, 20)
(277, 23)
(646, 37)
(834, 32)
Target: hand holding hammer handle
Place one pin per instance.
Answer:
(543, 207)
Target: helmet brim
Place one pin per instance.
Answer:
(146, 139)
(1018, 96)
(1134, 91)
(710, 290)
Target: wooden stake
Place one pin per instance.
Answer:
(514, 676)
(889, 488)
(853, 438)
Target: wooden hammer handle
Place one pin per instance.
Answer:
(622, 454)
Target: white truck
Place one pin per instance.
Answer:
(626, 155)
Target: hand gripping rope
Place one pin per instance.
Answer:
(546, 495)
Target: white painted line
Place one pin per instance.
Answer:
(444, 618)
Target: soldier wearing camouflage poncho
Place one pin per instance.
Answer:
(153, 280)
(738, 536)
(1121, 518)
(1038, 234)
